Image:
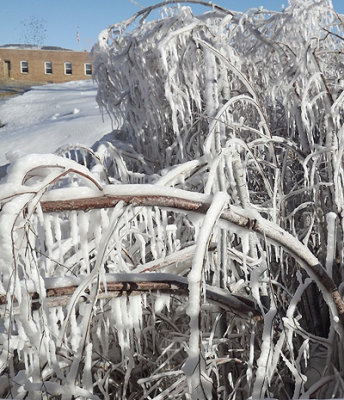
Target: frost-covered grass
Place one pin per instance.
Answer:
(199, 254)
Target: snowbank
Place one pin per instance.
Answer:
(50, 116)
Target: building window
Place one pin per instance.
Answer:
(48, 67)
(68, 68)
(24, 67)
(88, 69)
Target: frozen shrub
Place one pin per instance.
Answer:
(202, 257)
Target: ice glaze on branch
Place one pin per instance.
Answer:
(146, 11)
(135, 283)
(152, 195)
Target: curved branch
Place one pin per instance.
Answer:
(146, 11)
(153, 195)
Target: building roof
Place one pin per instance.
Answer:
(31, 47)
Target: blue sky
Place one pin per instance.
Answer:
(63, 18)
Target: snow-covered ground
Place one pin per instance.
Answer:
(50, 116)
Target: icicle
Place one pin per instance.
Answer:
(162, 301)
(266, 352)
(83, 224)
(135, 311)
(87, 373)
(331, 241)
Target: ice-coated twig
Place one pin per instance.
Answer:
(194, 367)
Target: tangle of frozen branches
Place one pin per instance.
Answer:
(198, 255)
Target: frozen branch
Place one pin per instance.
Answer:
(154, 196)
(125, 284)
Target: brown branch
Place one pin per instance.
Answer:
(260, 225)
(333, 33)
(107, 201)
(132, 284)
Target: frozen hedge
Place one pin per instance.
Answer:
(199, 254)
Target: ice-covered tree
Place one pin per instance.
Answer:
(199, 254)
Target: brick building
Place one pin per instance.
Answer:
(31, 64)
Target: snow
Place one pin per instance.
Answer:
(50, 116)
